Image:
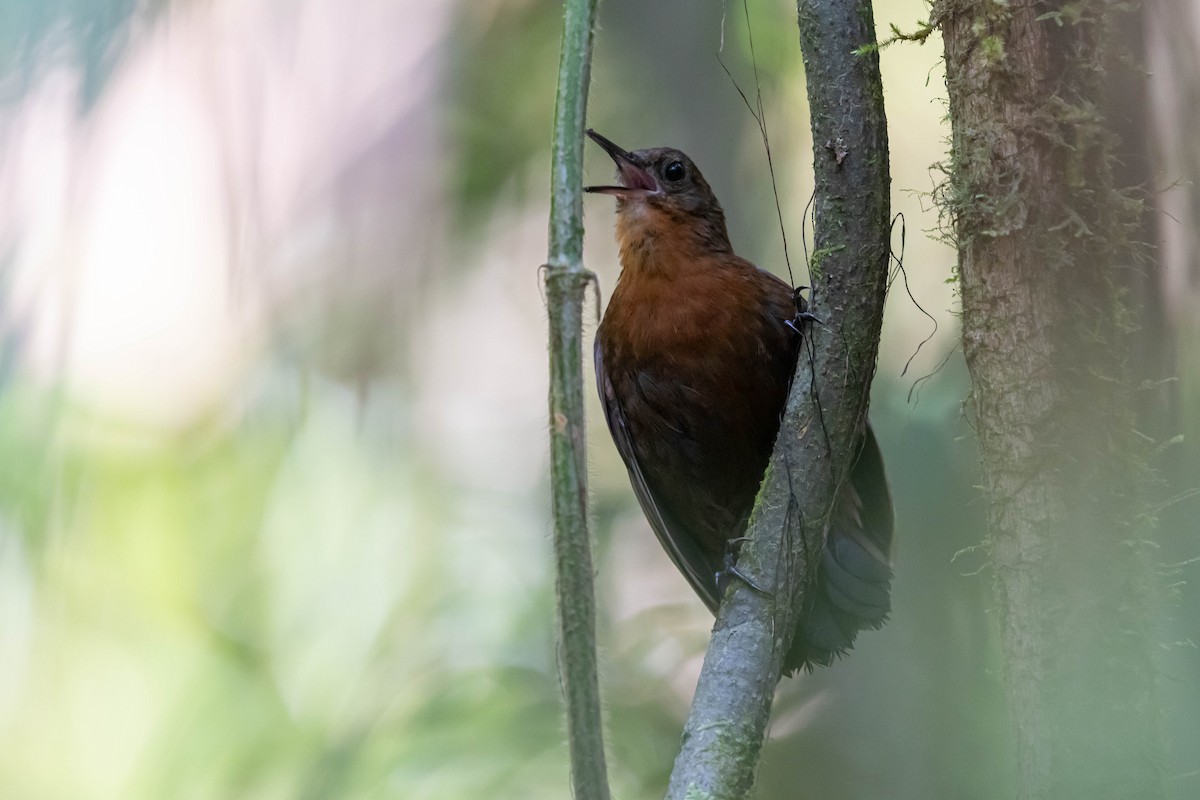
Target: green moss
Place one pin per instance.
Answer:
(992, 49)
(816, 267)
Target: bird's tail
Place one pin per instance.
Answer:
(853, 588)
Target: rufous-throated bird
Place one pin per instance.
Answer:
(694, 358)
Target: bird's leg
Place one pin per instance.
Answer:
(731, 569)
(803, 315)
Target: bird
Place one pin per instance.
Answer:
(694, 358)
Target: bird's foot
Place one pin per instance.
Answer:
(803, 315)
(731, 570)
(796, 323)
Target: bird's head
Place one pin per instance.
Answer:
(661, 188)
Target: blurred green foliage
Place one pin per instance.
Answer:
(502, 79)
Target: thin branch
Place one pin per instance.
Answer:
(565, 283)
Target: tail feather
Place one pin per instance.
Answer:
(853, 589)
(852, 595)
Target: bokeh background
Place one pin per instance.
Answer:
(273, 474)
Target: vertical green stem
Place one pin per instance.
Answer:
(566, 281)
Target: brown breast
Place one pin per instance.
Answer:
(700, 359)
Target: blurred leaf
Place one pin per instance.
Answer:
(88, 33)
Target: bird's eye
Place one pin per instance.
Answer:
(674, 171)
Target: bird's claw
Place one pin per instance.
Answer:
(802, 317)
(731, 569)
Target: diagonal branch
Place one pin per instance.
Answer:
(825, 412)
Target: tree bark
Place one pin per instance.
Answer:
(1042, 237)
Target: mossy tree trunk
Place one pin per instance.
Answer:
(1043, 238)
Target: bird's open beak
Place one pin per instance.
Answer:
(634, 179)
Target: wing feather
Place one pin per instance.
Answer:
(680, 544)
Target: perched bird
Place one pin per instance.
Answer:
(694, 357)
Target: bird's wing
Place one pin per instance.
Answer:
(683, 548)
